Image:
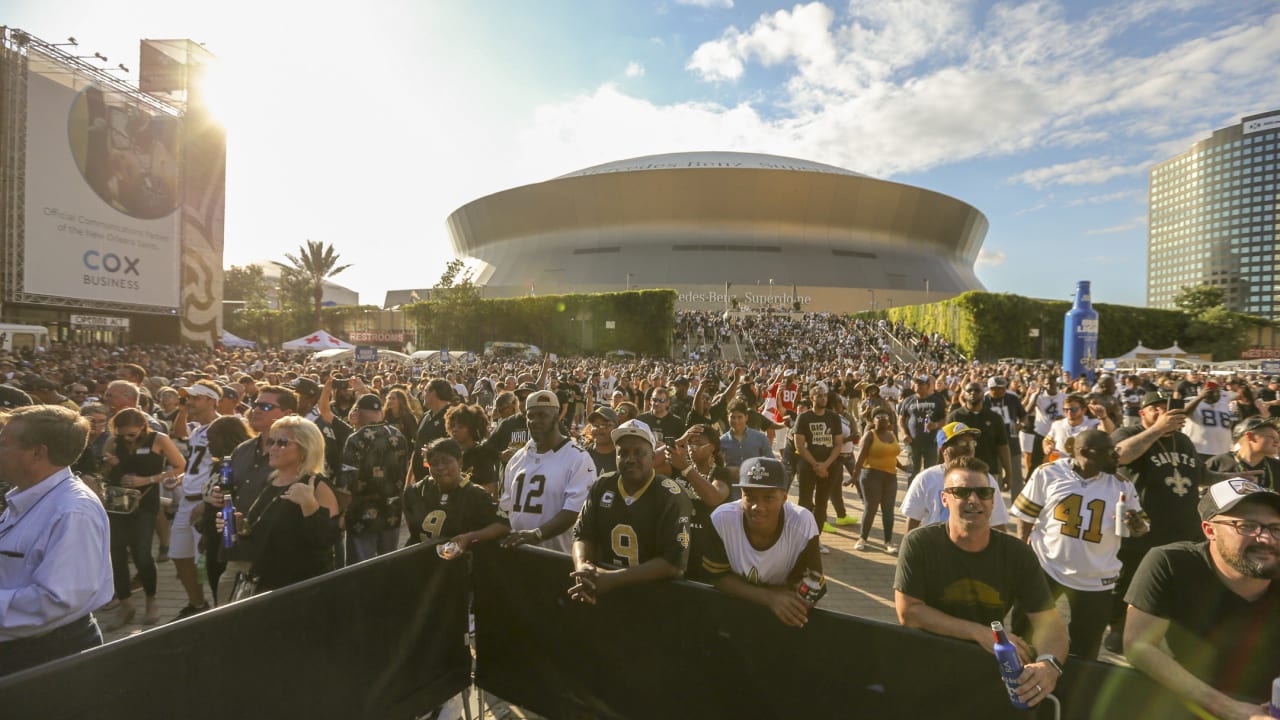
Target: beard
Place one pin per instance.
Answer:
(1254, 561)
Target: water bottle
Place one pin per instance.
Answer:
(228, 522)
(1010, 664)
(1122, 509)
(1274, 707)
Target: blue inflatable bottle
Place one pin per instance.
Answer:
(1010, 664)
(1080, 335)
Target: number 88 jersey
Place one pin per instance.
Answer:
(1074, 519)
(537, 486)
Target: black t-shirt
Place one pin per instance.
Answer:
(1187, 389)
(1166, 477)
(919, 411)
(1229, 462)
(1228, 642)
(668, 427)
(700, 527)
(431, 428)
(512, 432)
(819, 432)
(979, 587)
(1267, 395)
(606, 462)
(433, 515)
(992, 434)
(482, 464)
(630, 530)
(1007, 408)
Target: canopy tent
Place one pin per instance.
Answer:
(318, 340)
(1171, 351)
(231, 341)
(338, 356)
(1143, 352)
(432, 357)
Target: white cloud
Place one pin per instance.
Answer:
(634, 69)
(991, 258)
(1103, 198)
(707, 3)
(1134, 224)
(1088, 171)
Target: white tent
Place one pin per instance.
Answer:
(337, 356)
(1171, 351)
(318, 340)
(1139, 352)
(231, 341)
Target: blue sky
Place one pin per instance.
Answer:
(364, 125)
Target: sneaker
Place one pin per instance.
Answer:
(824, 549)
(828, 527)
(121, 618)
(1114, 641)
(164, 554)
(891, 549)
(847, 520)
(188, 611)
(861, 545)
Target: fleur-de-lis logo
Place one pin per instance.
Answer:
(1180, 485)
(757, 472)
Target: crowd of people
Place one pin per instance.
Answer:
(254, 470)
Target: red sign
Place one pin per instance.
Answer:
(1260, 353)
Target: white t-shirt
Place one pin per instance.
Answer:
(1074, 532)
(537, 486)
(199, 465)
(891, 392)
(1048, 408)
(1063, 433)
(1209, 427)
(764, 567)
(923, 500)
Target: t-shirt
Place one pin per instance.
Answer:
(1064, 434)
(1074, 523)
(918, 412)
(433, 515)
(512, 432)
(980, 586)
(430, 428)
(1048, 408)
(1187, 389)
(923, 500)
(667, 428)
(1209, 426)
(993, 434)
(1228, 642)
(628, 530)
(606, 462)
(1166, 476)
(537, 486)
(819, 432)
(1229, 462)
(730, 550)
(1132, 398)
(1008, 408)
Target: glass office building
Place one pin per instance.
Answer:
(1212, 218)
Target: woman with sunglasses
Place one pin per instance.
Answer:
(293, 522)
(141, 459)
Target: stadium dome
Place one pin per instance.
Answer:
(775, 229)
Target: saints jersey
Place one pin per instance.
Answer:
(435, 515)
(1074, 532)
(199, 472)
(537, 486)
(1063, 434)
(628, 530)
(1209, 426)
(730, 549)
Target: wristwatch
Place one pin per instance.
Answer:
(1053, 661)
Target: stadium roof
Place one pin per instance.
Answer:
(710, 161)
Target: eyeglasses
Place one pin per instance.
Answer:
(658, 400)
(265, 406)
(278, 442)
(1249, 529)
(963, 493)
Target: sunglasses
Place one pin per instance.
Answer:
(282, 443)
(963, 493)
(265, 406)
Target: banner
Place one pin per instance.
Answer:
(383, 639)
(204, 171)
(101, 190)
(681, 649)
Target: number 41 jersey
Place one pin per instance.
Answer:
(537, 486)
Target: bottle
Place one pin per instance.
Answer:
(810, 587)
(1274, 707)
(1080, 335)
(1122, 509)
(225, 476)
(1010, 664)
(229, 522)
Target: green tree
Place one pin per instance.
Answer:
(246, 284)
(1194, 301)
(314, 263)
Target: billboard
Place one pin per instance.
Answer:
(102, 192)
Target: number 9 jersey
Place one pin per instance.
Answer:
(627, 530)
(537, 486)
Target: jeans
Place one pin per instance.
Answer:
(369, 545)
(879, 490)
(1089, 615)
(814, 491)
(924, 454)
(74, 637)
(131, 535)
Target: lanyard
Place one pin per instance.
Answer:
(4, 532)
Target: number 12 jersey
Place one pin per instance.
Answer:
(537, 486)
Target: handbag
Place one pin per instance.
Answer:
(246, 585)
(121, 501)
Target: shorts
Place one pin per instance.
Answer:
(183, 536)
(1027, 441)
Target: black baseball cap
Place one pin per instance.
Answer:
(369, 401)
(763, 473)
(305, 386)
(1251, 424)
(12, 397)
(1155, 397)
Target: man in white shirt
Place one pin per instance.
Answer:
(184, 539)
(922, 505)
(55, 562)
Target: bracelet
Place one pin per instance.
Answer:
(537, 532)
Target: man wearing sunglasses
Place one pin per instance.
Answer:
(956, 578)
(1215, 602)
(1068, 513)
(922, 505)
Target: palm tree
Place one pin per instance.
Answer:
(315, 262)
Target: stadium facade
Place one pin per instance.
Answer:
(726, 230)
(1213, 218)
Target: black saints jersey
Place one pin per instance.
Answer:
(628, 530)
(435, 515)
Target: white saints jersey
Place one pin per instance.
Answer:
(1047, 409)
(537, 486)
(923, 500)
(764, 567)
(1209, 427)
(1074, 519)
(1064, 434)
(199, 464)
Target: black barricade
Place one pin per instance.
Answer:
(381, 639)
(673, 650)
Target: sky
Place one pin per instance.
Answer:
(365, 125)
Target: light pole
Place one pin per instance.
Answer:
(873, 298)
(629, 276)
(926, 291)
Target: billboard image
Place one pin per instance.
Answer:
(102, 194)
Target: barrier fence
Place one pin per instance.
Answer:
(385, 639)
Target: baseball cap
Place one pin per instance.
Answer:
(1251, 424)
(526, 387)
(12, 397)
(923, 379)
(1154, 397)
(541, 398)
(764, 473)
(369, 401)
(230, 392)
(633, 428)
(789, 372)
(682, 380)
(997, 381)
(604, 412)
(306, 386)
(204, 391)
(951, 431)
(1225, 495)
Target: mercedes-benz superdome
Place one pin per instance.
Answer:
(772, 230)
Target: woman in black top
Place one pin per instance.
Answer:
(294, 520)
(137, 458)
(699, 460)
(467, 425)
